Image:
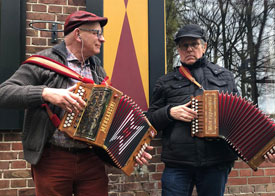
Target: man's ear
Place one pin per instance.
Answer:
(204, 47)
(77, 34)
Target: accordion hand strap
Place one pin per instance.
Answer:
(186, 73)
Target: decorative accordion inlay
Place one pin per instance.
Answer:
(112, 122)
(248, 131)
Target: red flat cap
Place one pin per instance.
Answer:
(78, 18)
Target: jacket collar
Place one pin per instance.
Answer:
(215, 69)
(61, 50)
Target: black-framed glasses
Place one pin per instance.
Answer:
(96, 32)
(192, 45)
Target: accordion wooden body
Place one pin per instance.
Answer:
(112, 123)
(248, 131)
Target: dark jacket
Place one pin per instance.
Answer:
(179, 148)
(24, 90)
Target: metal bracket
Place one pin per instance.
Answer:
(54, 28)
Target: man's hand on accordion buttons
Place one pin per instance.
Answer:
(64, 98)
(270, 155)
(183, 112)
(145, 157)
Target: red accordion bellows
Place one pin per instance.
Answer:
(248, 131)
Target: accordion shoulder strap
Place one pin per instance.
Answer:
(57, 67)
(186, 73)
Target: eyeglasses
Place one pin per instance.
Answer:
(192, 45)
(96, 32)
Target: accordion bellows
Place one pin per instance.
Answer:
(111, 122)
(248, 131)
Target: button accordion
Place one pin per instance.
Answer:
(248, 131)
(111, 122)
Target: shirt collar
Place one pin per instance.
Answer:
(71, 56)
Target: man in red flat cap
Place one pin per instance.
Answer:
(60, 165)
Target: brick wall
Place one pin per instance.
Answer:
(15, 176)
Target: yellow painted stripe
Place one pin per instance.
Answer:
(137, 11)
(138, 18)
(114, 11)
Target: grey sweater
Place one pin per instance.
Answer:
(23, 90)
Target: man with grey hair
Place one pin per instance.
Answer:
(190, 161)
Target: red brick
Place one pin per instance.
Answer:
(132, 186)
(39, 41)
(57, 2)
(160, 167)
(62, 17)
(31, 1)
(156, 176)
(8, 192)
(18, 183)
(17, 146)
(259, 180)
(77, 2)
(18, 164)
(45, 34)
(151, 167)
(237, 181)
(17, 174)
(5, 146)
(259, 172)
(40, 16)
(270, 172)
(8, 155)
(234, 173)
(29, 7)
(31, 32)
(69, 10)
(21, 155)
(55, 9)
(136, 178)
(4, 184)
(27, 192)
(245, 172)
(4, 164)
(39, 8)
(36, 49)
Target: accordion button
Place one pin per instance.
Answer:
(115, 95)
